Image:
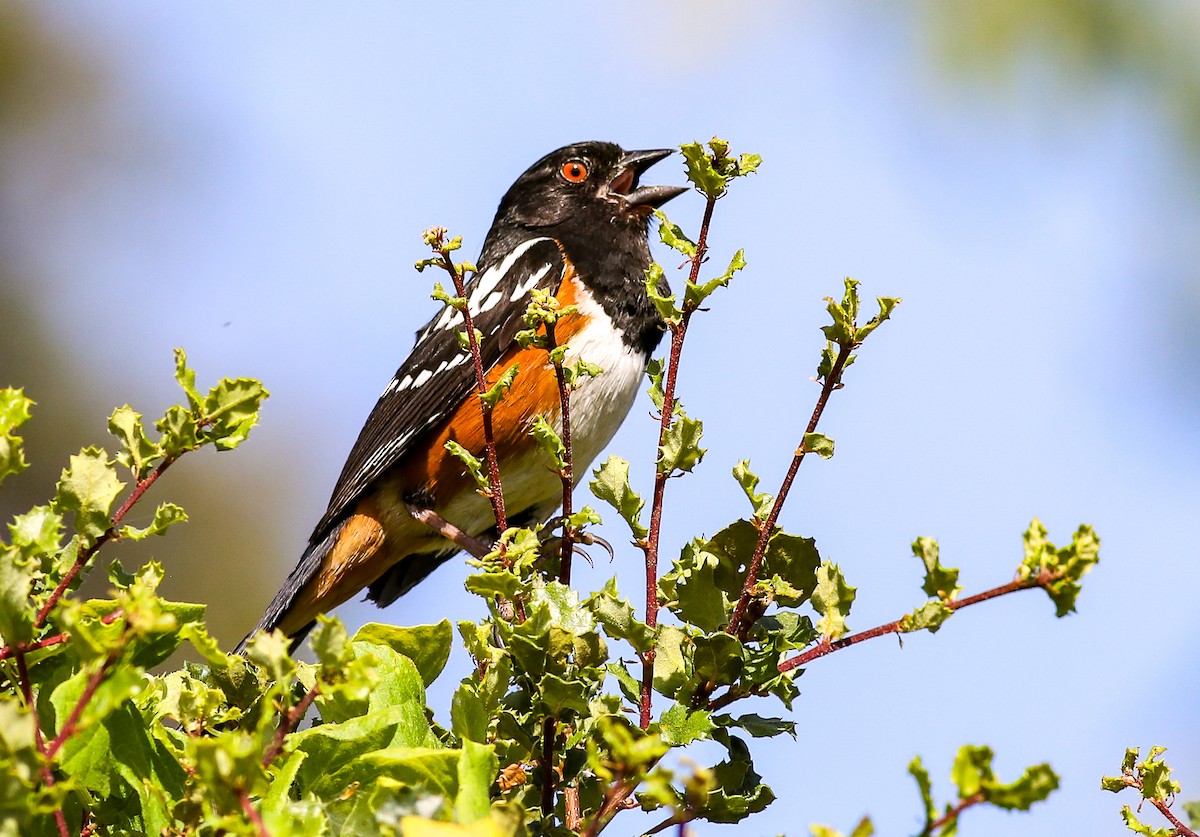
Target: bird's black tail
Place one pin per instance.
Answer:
(308, 566)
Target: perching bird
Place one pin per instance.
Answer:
(576, 224)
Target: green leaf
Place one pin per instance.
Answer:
(671, 235)
(618, 617)
(1138, 827)
(927, 617)
(740, 791)
(670, 668)
(14, 411)
(864, 829)
(717, 658)
(37, 534)
(137, 452)
(477, 769)
(700, 170)
(468, 716)
(1035, 785)
(940, 582)
(231, 410)
(680, 726)
(16, 584)
(89, 486)
(760, 501)
(1066, 566)
(186, 378)
(549, 443)
(886, 305)
(760, 727)
(428, 646)
(832, 599)
(610, 483)
(499, 389)
(917, 770)
(660, 294)
(695, 294)
(178, 429)
(165, 516)
(681, 449)
(817, 443)
(473, 464)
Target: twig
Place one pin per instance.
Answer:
(574, 819)
(678, 333)
(288, 723)
(548, 736)
(1180, 829)
(614, 798)
(568, 472)
(495, 489)
(26, 685)
(83, 557)
(952, 814)
(69, 726)
(832, 380)
(825, 647)
(47, 642)
(252, 814)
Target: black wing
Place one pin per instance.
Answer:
(438, 373)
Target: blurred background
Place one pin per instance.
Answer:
(249, 181)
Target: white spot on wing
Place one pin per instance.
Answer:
(458, 359)
(530, 283)
(425, 375)
(405, 383)
(490, 302)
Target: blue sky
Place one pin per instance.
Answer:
(275, 164)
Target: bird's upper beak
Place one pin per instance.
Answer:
(625, 184)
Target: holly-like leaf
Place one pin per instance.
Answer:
(230, 410)
(660, 295)
(817, 443)
(927, 617)
(694, 294)
(165, 516)
(474, 464)
(549, 442)
(498, 390)
(14, 411)
(88, 486)
(680, 725)
(610, 483)
(671, 235)
(681, 449)
(832, 599)
(137, 452)
(748, 480)
(940, 582)
(1066, 566)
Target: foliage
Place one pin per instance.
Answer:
(1151, 777)
(554, 731)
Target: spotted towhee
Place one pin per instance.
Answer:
(575, 224)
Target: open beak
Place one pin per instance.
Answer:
(625, 184)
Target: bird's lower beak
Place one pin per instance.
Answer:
(625, 184)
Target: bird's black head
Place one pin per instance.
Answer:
(586, 196)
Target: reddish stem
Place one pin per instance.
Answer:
(288, 724)
(832, 380)
(1180, 829)
(495, 489)
(568, 472)
(678, 333)
(952, 814)
(83, 557)
(548, 735)
(1042, 579)
(70, 726)
(252, 814)
(46, 642)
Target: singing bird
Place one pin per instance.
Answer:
(575, 224)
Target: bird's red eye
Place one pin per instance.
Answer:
(575, 171)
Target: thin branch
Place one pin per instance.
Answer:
(952, 814)
(614, 799)
(678, 333)
(548, 735)
(289, 723)
(495, 489)
(50, 641)
(568, 472)
(70, 726)
(574, 819)
(832, 381)
(825, 647)
(82, 558)
(1180, 829)
(252, 814)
